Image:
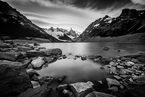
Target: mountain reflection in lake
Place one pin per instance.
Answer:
(78, 70)
(96, 48)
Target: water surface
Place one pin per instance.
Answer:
(78, 70)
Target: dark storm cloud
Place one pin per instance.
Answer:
(76, 14)
(104, 4)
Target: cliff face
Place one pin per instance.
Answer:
(14, 24)
(129, 22)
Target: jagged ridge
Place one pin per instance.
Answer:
(130, 21)
(14, 24)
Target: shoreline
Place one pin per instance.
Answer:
(127, 72)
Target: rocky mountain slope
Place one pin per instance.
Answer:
(62, 34)
(14, 24)
(130, 23)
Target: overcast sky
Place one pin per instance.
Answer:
(76, 14)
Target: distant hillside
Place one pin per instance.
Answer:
(14, 24)
(62, 34)
(129, 22)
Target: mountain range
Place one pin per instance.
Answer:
(16, 25)
(129, 26)
(62, 34)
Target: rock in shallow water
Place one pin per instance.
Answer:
(46, 52)
(38, 63)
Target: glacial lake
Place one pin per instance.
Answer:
(87, 70)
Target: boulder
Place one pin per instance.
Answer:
(81, 89)
(44, 52)
(38, 63)
(60, 79)
(12, 56)
(50, 59)
(112, 82)
(13, 79)
(43, 91)
(46, 80)
(60, 88)
(33, 75)
(98, 94)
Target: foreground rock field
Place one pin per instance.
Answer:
(19, 62)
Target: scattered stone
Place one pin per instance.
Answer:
(98, 94)
(113, 89)
(112, 82)
(120, 67)
(106, 48)
(117, 77)
(38, 63)
(81, 89)
(60, 88)
(36, 44)
(60, 79)
(83, 58)
(46, 80)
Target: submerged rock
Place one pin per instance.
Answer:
(81, 89)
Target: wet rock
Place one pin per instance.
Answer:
(60, 88)
(47, 80)
(36, 44)
(98, 94)
(43, 91)
(26, 63)
(120, 67)
(38, 63)
(60, 79)
(112, 82)
(106, 48)
(13, 79)
(104, 61)
(64, 56)
(140, 79)
(42, 53)
(50, 59)
(113, 89)
(81, 89)
(84, 58)
(117, 77)
(33, 75)
(35, 84)
(67, 93)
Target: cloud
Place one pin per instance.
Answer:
(141, 2)
(76, 14)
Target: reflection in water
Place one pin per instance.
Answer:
(75, 70)
(96, 48)
(78, 70)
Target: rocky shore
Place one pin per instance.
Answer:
(19, 62)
